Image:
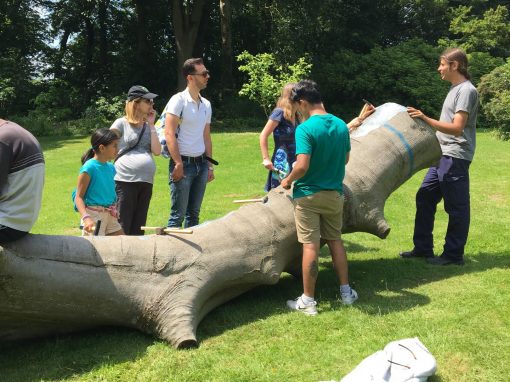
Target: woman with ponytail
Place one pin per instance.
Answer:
(95, 194)
(282, 124)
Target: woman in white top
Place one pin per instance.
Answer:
(134, 165)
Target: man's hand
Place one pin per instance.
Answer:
(415, 113)
(286, 184)
(210, 176)
(178, 172)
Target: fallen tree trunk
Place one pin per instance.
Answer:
(165, 285)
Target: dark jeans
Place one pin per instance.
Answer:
(187, 194)
(8, 234)
(133, 205)
(448, 181)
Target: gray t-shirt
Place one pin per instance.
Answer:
(461, 97)
(137, 165)
(21, 177)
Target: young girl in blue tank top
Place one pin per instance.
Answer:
(95, 194)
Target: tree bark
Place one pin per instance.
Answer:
(226, 45)
(103, 6)
(59, 69)
(165, 285)
(186, 20)
(142, 44)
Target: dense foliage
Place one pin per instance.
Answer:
(59, 58)
(495, 97)
(267, 77)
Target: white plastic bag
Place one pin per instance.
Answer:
(406, 360)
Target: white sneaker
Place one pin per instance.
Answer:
(349, 298)
(300, 306)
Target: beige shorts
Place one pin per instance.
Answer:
(319, 216)
(109, 224)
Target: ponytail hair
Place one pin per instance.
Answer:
(286, 104)
(455, 54)
(99, 137)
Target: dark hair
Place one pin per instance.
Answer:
(99, 137)
(455, 54)
(189, 66)
(306, 90)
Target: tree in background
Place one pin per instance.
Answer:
(494, 91)
(227, 59)
(404, 73)
(96, 49)
(22, 50)
(485, 37)
(188, 18)
(266, 77)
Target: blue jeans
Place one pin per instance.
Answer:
(187, 194)
(448, 181)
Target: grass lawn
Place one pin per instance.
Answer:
(462, 314)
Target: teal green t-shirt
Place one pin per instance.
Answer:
(101, 189)
(326, 139)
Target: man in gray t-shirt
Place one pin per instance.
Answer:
(449, 180)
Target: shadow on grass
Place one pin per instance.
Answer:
(53, 143)
(70, 355)
(384, 285)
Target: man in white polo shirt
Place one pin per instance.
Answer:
(188, 138)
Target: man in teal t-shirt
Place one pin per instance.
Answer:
(322, 151)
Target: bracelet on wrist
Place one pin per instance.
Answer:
(85, 217)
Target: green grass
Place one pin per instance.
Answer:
(462, 314)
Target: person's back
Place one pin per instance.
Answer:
(326, 137)
(322, 151)
(21, 181)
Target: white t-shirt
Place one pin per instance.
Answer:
(194, 117)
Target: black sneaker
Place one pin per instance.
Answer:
(413, 253)
(443, 260)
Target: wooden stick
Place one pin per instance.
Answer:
(146, 228)
(363, 109)
(258, 200)
(178, 230)
(167, 229)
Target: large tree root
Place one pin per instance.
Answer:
(165, 285)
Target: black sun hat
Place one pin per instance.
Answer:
(138, 91)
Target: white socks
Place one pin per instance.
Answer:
(307, 300)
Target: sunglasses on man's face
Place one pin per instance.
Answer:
(203, 74)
